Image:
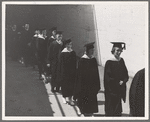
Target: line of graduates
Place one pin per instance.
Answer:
(18, 44)
(78, 78)
(75, 78)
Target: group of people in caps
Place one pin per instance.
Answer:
(77, 79)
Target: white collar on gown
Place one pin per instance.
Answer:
(65, 50)
(40, 36)
(114, 59)
(59, 42)
(85, 56)
(52, 37)
(35, 35)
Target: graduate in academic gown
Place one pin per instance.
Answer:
(67, 71)
(137, 94)
(34, 42)
(53, 57)
(49, 41)
(46, 39)
(41, 53)
(87, 83)
(115, 78)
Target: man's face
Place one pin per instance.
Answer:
(91, 51)
(69, 45)
(117, 52)
(59, 36)
(27, 27)
(54, 32)
(36, 32)
(44, 32)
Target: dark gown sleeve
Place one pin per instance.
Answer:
(124, 78)
(50, 52)
(49, 41)
(67, 64)
(95, 86)
(61, 67)
(107, 77)
(77, 88)
(125, 72)
(83, 75)
(88, 81)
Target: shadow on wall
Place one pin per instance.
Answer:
(76, 21)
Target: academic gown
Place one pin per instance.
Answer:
(53, 59)
(34, 49)
(114, 72)
(33, 43)
(87, 85)
(41, 48)
(50, 40)
(137, 94)
(41, 54)
(67, 72)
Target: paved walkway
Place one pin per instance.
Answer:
(26, 95)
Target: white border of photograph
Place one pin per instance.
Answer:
(4, 3)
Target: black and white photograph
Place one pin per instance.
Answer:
(71, 60)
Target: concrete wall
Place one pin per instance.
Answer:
(123, 22)
(76, 21)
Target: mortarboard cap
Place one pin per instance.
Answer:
(89, 45)
(119, 44)
(53, 28)
(59, 32)
(66, 41)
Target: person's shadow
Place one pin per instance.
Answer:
(99, 115)
(100, 91)
(101, 102)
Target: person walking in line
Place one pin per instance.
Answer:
(115, 78)
(55, 49)
(49, 41)
(67, 71)
(33, 48)
(41, 53)
(87, 83)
